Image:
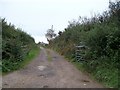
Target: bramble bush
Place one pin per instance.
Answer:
(101, 34)
(16, 44)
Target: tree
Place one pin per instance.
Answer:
(50, 34)
(60, 33)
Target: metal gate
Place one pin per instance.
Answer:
(79, 52)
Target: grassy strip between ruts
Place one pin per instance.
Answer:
(31, 55)
(48, 56)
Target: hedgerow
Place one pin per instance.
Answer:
(16, 44)
(101, 34)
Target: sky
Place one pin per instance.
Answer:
(37, 16)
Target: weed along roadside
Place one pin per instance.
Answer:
(18, 48)
(101, 35)
(33, 53)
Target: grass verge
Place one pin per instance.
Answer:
(107, 76)
(31, 55)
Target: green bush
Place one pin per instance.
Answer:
(16, 45)
(101, 36)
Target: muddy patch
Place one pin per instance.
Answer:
(86, 81)
(41, 68)
(46, 71)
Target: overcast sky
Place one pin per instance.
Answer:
(36, 16)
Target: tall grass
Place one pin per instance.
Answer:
(10, 67)
(31, 56)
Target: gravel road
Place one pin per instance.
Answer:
(49, 70)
